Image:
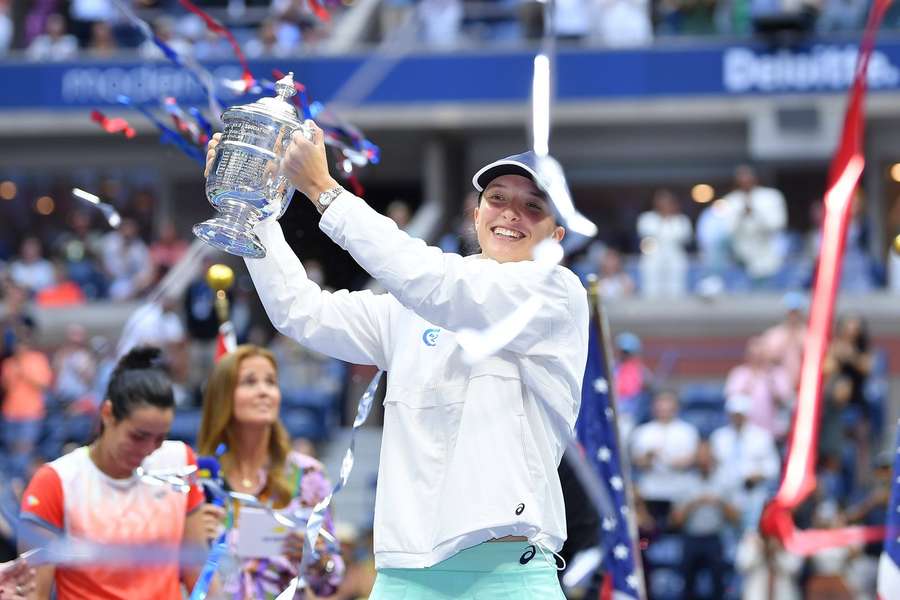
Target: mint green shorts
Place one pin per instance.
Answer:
(489, 571)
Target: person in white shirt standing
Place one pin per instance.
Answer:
(663, 451)
(757, 218)
(665, 232)
(469, 451)
(747, 454)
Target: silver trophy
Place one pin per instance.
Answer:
(245, 184)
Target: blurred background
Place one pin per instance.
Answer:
(669, 114)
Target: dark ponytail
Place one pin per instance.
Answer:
(140, 377)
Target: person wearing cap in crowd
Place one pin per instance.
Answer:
(783, 343)
(470, 451)
(747, 454)
(634, 381)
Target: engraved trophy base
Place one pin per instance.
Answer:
(232, 230)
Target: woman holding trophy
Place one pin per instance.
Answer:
(468, 503)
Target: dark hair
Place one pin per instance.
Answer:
(140, 377)
(861, 341)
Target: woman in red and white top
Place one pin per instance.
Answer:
(94, 493)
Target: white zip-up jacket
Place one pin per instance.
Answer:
(468, 453)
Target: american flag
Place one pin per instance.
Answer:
(889, 564)
(596, 432)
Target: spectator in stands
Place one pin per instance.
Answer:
(164, 29)
(850, 356)
(31, 270)
(168, 249)
(745, 453)
(714, 241)
(440, 22)
(842, 15)
(702, 514)
(869, 507)
(664, 232)
(84, 14)
(623, 23)
(768, 385)
(836, 394)
(767, 569)
(634, 380)
(82, 248)
(572, 19)
(687, 17)
(757, 218)
(103, 43)
(240, 410)
(856, 270)
(63, 292)
(76, 369)
(26, 376)
(126, 260)
(267, 43)
(663, 451)
(55, 43)
(783, 343)
(612, 279)
(18, 315)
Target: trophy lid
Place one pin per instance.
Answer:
(278, 107)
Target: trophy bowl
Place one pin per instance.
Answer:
(245, 183)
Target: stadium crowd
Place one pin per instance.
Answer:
(54, 30)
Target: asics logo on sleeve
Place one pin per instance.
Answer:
(430, 336)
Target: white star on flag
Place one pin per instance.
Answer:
(609, 413)
(616, 482)
(620, 552)
(608, 524)
(631, 580)
(601, 386)
(604, 454)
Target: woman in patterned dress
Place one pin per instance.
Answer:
(240, 411)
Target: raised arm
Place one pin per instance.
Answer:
(446, 289)
(349, 326)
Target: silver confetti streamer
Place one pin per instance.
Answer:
(317, 517)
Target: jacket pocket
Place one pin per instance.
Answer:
(417, 426)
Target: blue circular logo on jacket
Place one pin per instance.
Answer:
(430, 336)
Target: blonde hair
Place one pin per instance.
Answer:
(217, 424)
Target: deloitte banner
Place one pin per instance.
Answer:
(477, 77)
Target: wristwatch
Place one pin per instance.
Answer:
(327, 197)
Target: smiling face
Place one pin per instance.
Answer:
(127, 442)
(256, 396)
(512, 218)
